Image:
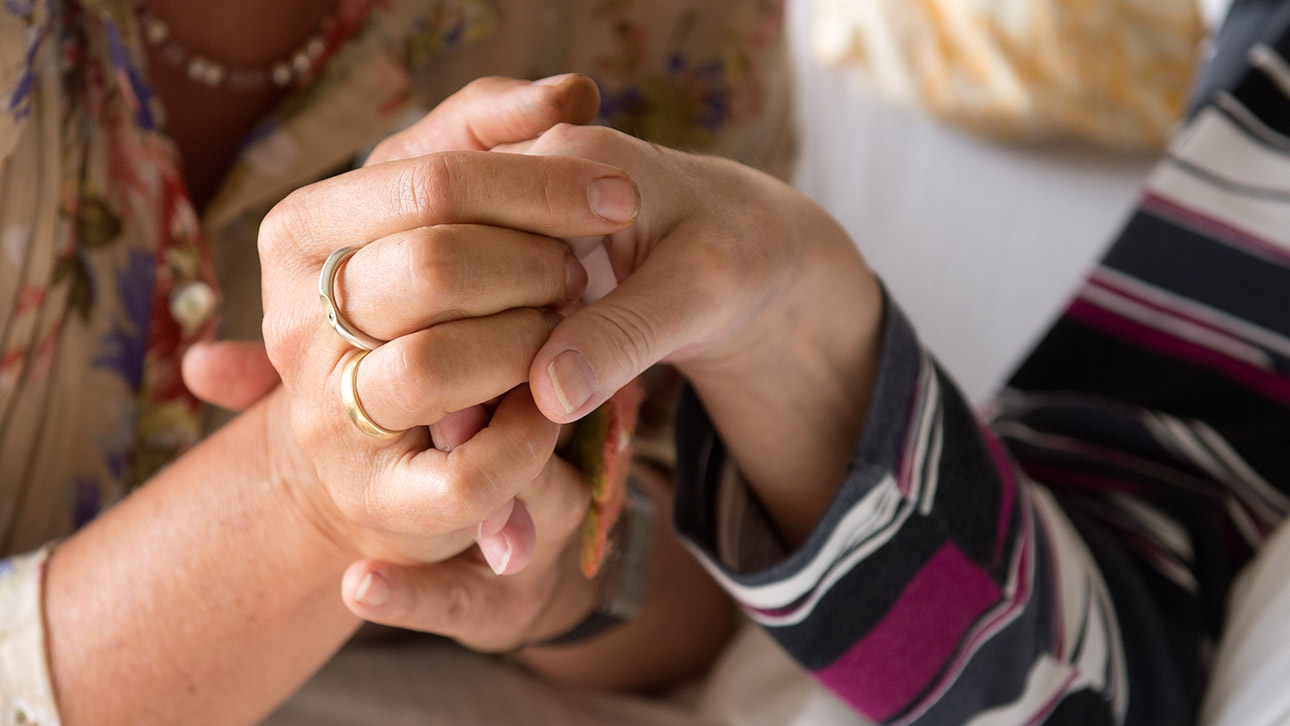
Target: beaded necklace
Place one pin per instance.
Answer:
(291, 70)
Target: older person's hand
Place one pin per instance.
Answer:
(489, 111)
(464, 598)
(428, 229)
(234, 374)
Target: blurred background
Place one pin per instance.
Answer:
(982, 153)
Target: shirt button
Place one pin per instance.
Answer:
(192, 304)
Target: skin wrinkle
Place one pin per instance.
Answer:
(431, 186)
(418, 269)
(630, 327)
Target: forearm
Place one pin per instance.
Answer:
(208, 596)
(685, 622)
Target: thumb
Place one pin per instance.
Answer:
(493, 111)
(658, 310)
(231, 374)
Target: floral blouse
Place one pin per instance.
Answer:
(107, 273)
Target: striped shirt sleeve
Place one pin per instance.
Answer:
(1069, 560)
(939, 583)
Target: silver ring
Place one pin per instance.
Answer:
(326, 284)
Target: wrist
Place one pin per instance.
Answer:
(685, 620)
(296, 481)
(622, 579)
(790, 393)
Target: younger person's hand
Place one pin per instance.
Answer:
(755, 293)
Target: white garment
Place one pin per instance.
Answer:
(433, 682)
(1250, 684)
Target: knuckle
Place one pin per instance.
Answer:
(356, 504)
(530, 451)
(278, 337)
(562, 135)
(404, 373)
(282, 228)
(389, 148)
(568, 521)
(533, 326)
(551, 268)
(456, 607)
(430, 183)
(286, 332)
(428, 358)
(597, 140)
(434, 267)
(483, 86)
(470, 495)
(591, 142)
(634, 333)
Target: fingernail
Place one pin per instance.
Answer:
(373, 591)
(553, 80)
(437, 439)
(613, 198)
(494, 522)
(575, 278)
(573, 378)
(497, 552)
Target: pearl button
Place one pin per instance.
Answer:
(192, 304)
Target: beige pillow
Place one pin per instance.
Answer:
(1115, 72)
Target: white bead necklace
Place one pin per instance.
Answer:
(289, 71)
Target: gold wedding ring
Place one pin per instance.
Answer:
(354, 405)
(326, 288)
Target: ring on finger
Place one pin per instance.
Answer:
(354, 405)
(326, 288)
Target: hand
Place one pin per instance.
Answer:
(464, 598)
(235, 374)
(490, 111)
(752, 290)
(685, 621)
(431, 230)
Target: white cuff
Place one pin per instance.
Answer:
(26, 692)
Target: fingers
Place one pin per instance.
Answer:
(434, 491)
(555, 503)
(457, 336)
(554, 196)
(456, 428)
(230, 374)
(674, 301)
(493, 111)
(465, 599)
(462, 599)
(507, 537)
(509, 549)
(417, 379)
(422, 277)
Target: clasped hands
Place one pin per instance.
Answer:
(470, 226)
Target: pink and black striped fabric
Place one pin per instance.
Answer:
(1068, 560)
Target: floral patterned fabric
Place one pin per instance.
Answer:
(108, 274)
